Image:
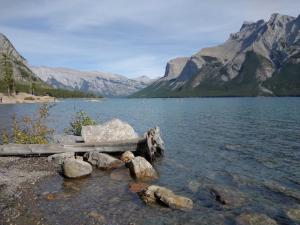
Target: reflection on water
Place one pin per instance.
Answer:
(246, 149)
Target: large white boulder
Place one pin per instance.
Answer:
(113, 130)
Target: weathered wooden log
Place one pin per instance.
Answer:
(150, 147)
(49, 149)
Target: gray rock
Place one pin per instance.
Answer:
(140, 168)
(74, 168)
(294, 214)
(113, 130)
(67, 139)
(127, 156)
(254, 219)
(103, 161)
(60, 158)
(162, 195)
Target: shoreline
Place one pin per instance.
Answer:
(24, 98)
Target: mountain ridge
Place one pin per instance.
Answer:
(106, 84)
(263, 47)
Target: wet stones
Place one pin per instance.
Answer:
(127, 156)
(103, 161)
(254, 219)
(74, 168)
(60, 158)
(166, 197)
(294, 214)
(140, 168)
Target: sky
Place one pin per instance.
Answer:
(127, 37)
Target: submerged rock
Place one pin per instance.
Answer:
(227, 197)
(162, 195)
(113, 130)
(103, 161)
(74, 168)
(60, 158)
(127, 156)
(276, 187)
(294, 214)
(254, 219)
(138, 187)
(140, 168)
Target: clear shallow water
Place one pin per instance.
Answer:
(248, 146)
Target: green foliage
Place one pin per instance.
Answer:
(41, 89)
(7, 74)
(30, 130)
(80, 119)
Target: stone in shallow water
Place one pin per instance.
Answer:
(294, 214)
(162, 195)
(103, 161)
(127, 156)
(227, 197)
(60, 158)
(194, 186)
(121, 174)
(100, 218)
(74, 168)
(113, 130)
(254, 219)
(140, 168)
(138, 187)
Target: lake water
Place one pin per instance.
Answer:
(248, 148)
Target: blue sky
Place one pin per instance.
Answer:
(128, 37)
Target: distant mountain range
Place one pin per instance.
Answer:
(263, 58)
(105, 84)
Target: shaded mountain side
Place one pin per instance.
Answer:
(262, 58)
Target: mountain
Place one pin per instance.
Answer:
(20, 70)
(263, 58)
(106, 84)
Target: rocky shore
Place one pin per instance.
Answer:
(24, 98)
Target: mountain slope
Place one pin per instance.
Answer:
(20, 71)
(261, 59)
(97, 82)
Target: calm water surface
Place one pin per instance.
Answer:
(248, 147)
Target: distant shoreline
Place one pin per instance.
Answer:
(22, 98)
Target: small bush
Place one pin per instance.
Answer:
(80, 119)
(30, 130)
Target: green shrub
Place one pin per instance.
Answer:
(30, 130)
(80, 119)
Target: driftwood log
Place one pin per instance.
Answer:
(149, 146)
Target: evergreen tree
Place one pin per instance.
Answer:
(7, 73)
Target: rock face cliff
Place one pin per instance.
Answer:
(106, 84)
(263, 58)
(20, 69)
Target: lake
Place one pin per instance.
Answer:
(248, 148)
